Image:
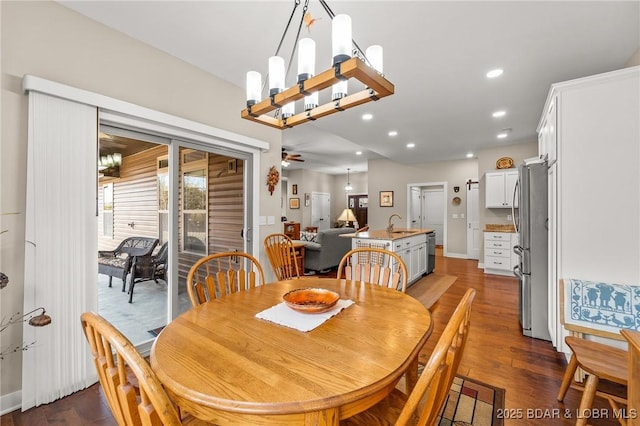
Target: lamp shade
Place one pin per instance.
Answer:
(288, 110)
(347, 216)
(311, 101)
(276, 75)
(254, 81)
(341, 39)
(339, 90)
(306, 59)
(374, 55)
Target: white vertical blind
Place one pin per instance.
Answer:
(61, 246)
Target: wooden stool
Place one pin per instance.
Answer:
(600, 361)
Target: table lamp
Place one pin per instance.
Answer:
(347, 216)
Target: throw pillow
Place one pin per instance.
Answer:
(308, 236)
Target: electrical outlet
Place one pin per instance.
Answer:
(461, 215)
(455, 215)
(509, 217)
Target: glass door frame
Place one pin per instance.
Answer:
(245, 149)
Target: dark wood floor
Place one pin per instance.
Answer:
(496, 353)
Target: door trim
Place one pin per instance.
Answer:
(445, 191)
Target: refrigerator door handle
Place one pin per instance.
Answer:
(513, 206)
(516, 271)
(519, 250)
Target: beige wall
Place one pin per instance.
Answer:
(385, 175)
(50, 41)
(633, 60)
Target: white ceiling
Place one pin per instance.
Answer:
(436, 54)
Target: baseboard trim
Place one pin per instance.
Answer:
(10, 402)
(456, 255)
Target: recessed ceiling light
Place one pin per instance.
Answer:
(499, 114)
(393, 133)
(469, 154)
(411, 145)
(495, 73)
(502, 135)
(358, 152)
(367, 116)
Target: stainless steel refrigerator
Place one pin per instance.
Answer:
(531, 222)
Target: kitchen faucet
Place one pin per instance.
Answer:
(390, 225)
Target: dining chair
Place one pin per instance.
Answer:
(374, 265)
(220, 274)
(424, 404)
(142, 403)
(599, 361)
(282, 256)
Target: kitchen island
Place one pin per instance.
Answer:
(416, 247)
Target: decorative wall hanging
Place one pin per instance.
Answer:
(386, 198)
(272, 179)
(294, 203)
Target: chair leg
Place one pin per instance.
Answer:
(110, 278)
(568, 377)
(131, 291)
(589, 393)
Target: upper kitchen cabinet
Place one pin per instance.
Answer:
(499, 188)
(547, 140)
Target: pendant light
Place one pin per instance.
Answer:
(348, 186)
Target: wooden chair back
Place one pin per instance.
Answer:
(113, 353)
(220, 274)
(282, 256)
(374, 265)
(430, 393)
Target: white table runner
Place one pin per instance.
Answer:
(283, 315)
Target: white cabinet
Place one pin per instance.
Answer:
(499, 187)
(594, 183)
(499, 257)
(412, 250)
(547, 136)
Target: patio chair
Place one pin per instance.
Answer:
(220, 274)
(160, 265)
(152, 405)
(423, 405)
(119, 262)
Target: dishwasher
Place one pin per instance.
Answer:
(431, 249)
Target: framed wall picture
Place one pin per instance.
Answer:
(386, 198)
(307, 199)
(294, 189)
(294, 203)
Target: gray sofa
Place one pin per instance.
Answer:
(328, 249)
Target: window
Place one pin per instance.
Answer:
(107, 210)
(163, 199)
(194, 201)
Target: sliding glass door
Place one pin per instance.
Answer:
(191, 198)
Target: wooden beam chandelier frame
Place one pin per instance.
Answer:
(364, 67)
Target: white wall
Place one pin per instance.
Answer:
(50, 41)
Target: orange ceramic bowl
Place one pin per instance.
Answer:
(311, 300)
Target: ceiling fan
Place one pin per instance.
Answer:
(287, 158)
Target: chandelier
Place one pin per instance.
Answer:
(349, 63)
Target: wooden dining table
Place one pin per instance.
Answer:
(222, 364)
